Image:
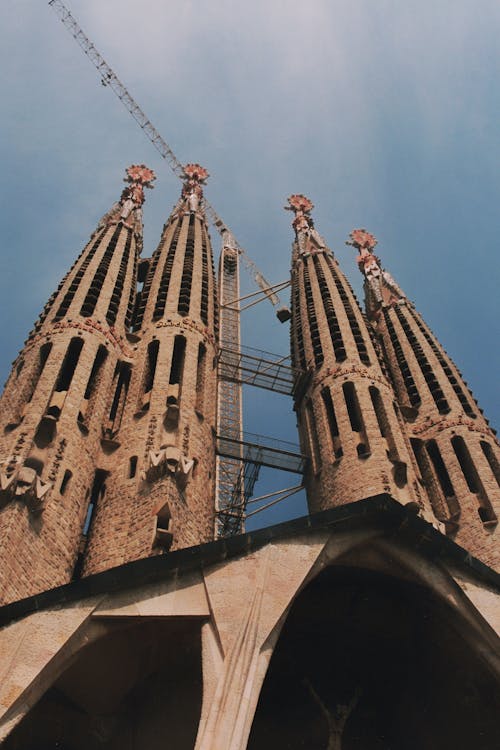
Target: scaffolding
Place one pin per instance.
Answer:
(250, 366)
(232, 485)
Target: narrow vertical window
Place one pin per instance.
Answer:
(163, 533)
(166, 274)
(187, 272)
(441, 471)
(116, 296)
(122, 373)
(132, 467)
(492, 460)
(406, 374)
(178, 355)
(356, 419)
(440, 504)
(330, 314)
(42, 360)
(472, 478)
(77, 279)
(332, 422)
(312, 319)
(90, 390)
(424, 364)
(69, 364)
(312, 435)
(383, 421)
(97, 283)
(152, 360)
(200, 378)
(97, 493)
(65, 481)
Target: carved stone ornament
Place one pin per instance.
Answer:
(169, 460)
(194, 177)
(141, 175)
(196, 173)
(23, 483)
(299, 202)
(362, 240)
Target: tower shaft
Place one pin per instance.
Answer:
(347, 423)
(457, 453)
(55, 400)
(161, 451)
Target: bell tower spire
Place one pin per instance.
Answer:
(457, 453)
(55, 398)
(163, 492)
(347, 423)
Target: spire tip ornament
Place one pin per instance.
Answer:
(194, 177)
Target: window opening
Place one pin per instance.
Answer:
(69, 365)
(343, 288)
(331, 317)
(92, 296)
(177, 366)
(65, 481)
(42, 360)
(424, 364)
(472, 478)
(123, 372)
(299, 357)
(75, 283)
(187, 272)
(116, 296)
(312, 319)
(409, 382)
(356, 419)
(200, 378)
(443, 507)
(96, 495)
(152, 360)
(440, 469)
(166, 275)
(332, 422)
(312, 435)
(492, 460)
(454, 382)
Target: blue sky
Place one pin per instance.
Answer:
(385, 113)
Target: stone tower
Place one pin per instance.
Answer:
(160, 435)
(348, 425)
(54, 402)
(456, 451)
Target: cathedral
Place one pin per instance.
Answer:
(127, 621)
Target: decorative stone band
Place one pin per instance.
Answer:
(338, 372)
(188, 325)
(92, 326)
(443, 424)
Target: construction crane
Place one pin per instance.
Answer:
(234, 484)
(109, 78)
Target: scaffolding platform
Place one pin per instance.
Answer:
(263, 451)
(250, 366)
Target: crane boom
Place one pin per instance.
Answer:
(109, 78)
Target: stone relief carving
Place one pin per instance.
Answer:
(23, 482)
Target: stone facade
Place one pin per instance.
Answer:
(314, 636)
